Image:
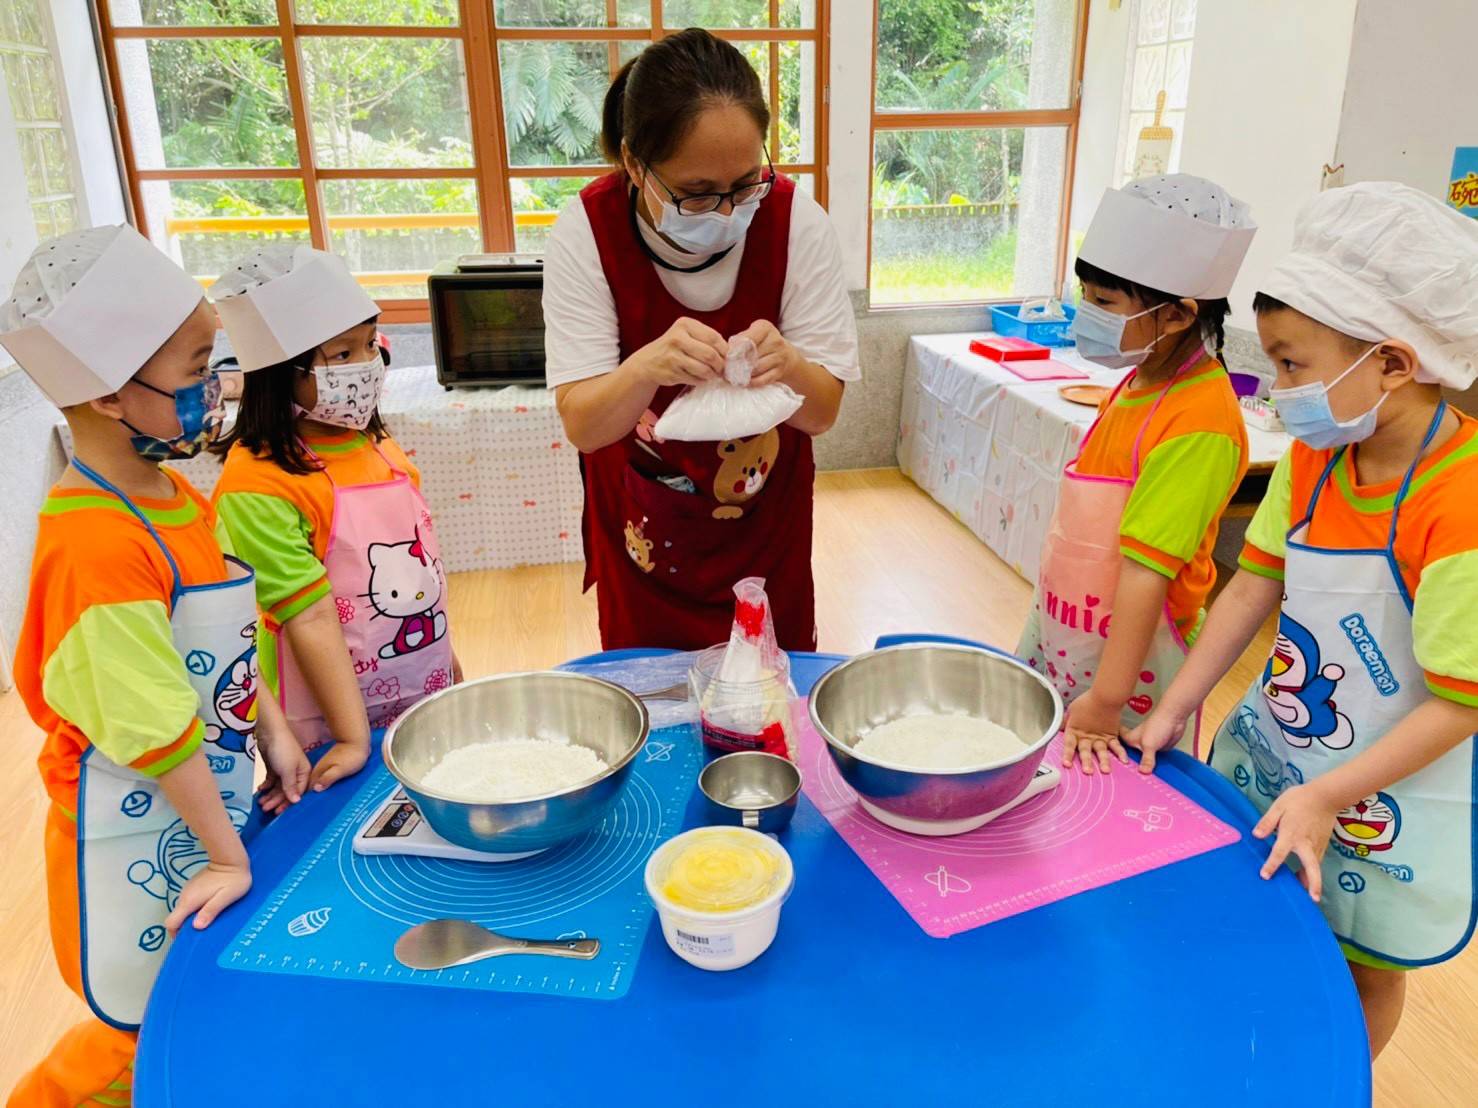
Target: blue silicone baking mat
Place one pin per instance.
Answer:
(339, 913)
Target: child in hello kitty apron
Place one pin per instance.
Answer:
(327, 508)
(1127, 566)
(1356, 741)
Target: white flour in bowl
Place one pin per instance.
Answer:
(939, 742)
(510, 769)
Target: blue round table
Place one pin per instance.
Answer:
(1194, 984)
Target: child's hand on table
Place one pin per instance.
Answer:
(1092, 733)
(1162, 731)
(209, 893)
(287, 766)
(1304, 819)
(344, 759)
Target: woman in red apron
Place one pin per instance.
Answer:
(694, 241)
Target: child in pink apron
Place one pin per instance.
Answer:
(1126, 566)
(1356, 741)
(327, 508)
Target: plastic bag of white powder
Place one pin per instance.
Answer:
(727, 408)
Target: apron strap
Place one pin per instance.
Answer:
(323, 467)
(98, 479)
(1195, 359)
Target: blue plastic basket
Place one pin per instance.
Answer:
(1006, 319)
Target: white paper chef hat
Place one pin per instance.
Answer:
(90, 308)
(282, 300)
(1177, 233)
(1378, 260)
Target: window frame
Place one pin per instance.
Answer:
(491, 168)
(49, 50)
(897, 119)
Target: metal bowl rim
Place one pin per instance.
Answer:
(387, 748)
(800, 780)
(1032, 748)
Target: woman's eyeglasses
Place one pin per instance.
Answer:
(712, 201)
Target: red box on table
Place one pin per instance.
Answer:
(1004, 348)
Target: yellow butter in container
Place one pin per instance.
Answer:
(719, 872)
(718, 893)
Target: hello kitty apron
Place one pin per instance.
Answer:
(1399, 874)
(1068, 627)
(389, 590)
(669, 527)
(134, 852)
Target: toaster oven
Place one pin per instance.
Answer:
(487, 320)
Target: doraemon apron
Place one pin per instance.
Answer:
(1399, 871)
(1068, 626)
(389, 589)
(134, 853)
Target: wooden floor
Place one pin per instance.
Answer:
(887, 559)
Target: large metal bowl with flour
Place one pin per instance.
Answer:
(925, 678)
(570, 706)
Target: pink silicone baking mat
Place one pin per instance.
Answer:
(1087, 832)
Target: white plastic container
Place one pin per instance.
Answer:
(719, 940)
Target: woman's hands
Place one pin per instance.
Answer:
(777, 361)
(689, 353)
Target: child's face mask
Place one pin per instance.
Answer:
(348, 394)
(1306, 413)
(1099, 334)
(200, 412)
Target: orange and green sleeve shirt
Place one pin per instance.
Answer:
(1193, 455)
(279, 522)
(1436, 543)
(96, 662)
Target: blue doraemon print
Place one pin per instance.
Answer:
(234, 707)
(178, 856)
(1300, 691)
(1271, 772)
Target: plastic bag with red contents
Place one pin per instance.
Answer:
(747, 704)
(726, 407)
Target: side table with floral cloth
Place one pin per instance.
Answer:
(990, 447)
(501, 478)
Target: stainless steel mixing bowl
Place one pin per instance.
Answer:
(884, 685)
(583, 710)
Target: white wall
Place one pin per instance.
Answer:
(92, 133)
(850, 154)
(1267, 85)
(1105, 68)
(1410, 97)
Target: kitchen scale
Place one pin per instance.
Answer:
(397, 827)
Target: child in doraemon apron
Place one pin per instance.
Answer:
(134, 852)
(1398, 877)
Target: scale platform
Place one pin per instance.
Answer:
(397, 827)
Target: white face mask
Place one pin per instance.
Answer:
(707, 233)
(348, 394)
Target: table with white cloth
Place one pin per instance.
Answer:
(502, 480)
(991, 447)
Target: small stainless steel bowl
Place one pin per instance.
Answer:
(751, 788)
(879, 687)
(572, 706)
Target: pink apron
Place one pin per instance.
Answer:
(1068, 626)
(384, 566)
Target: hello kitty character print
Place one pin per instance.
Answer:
(384, 565)
(406, 586)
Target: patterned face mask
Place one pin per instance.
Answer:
(348, 394)
(200, 412)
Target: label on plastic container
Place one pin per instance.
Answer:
(703, 946)
(772, 740)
